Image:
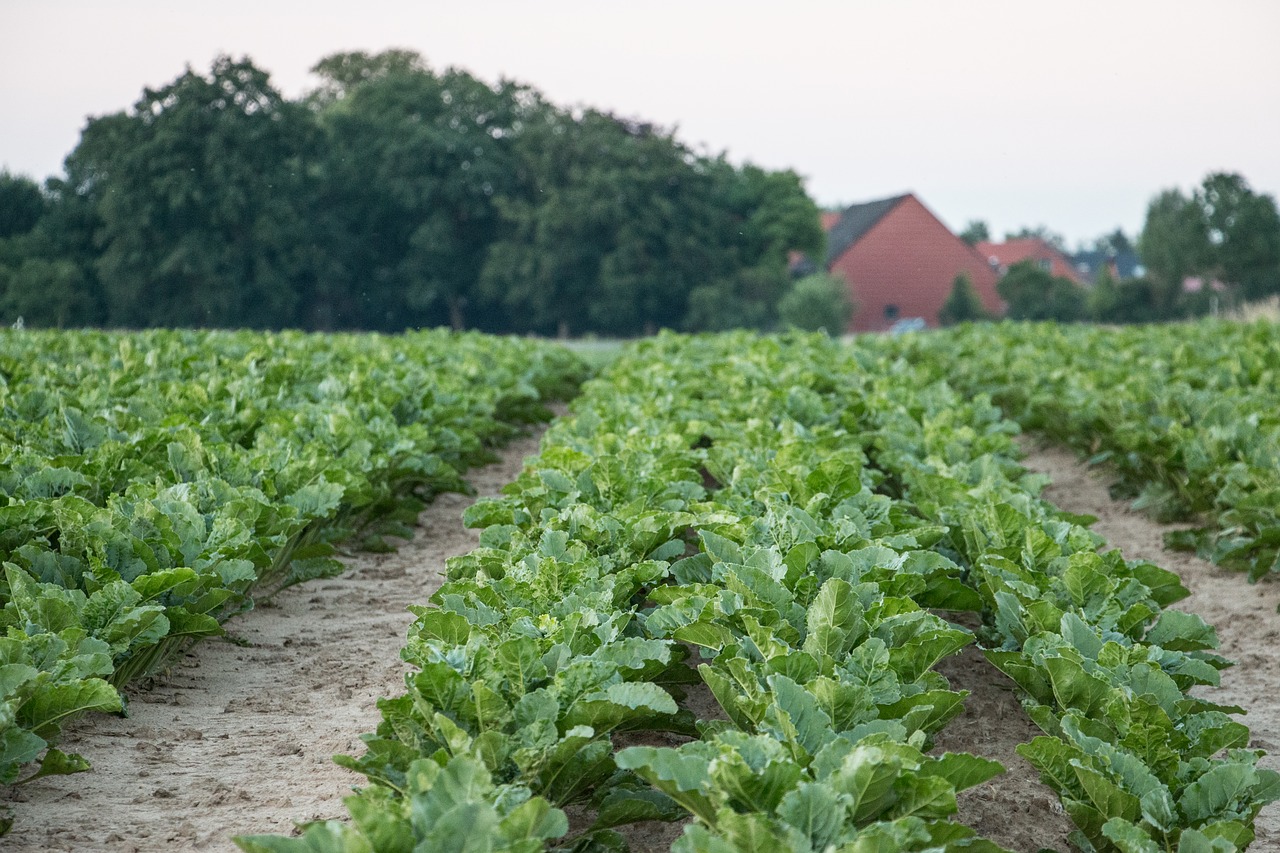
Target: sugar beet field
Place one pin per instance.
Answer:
(725, 593)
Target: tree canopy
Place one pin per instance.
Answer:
(1223, 231)
(1033, 294)
(975, 232)
(196, 190)
(394, 196)
(22, 204)
(1040, 232)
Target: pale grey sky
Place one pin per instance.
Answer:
(1070, 114)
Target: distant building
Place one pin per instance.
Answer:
(900, 261)
(1001, 256)
(1123, 265)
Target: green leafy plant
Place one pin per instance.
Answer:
(155, 483)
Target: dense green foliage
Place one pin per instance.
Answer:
(1224, 231)
(194, 192)
(393, 197)
(975, 232)
(1033, 293)
(963, 305)
(818, 302)
(21, 205)
(1185, 415)
(794, 512)
(151, 483)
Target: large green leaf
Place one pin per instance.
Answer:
(681, 775)
(44, 712)
(835, 622)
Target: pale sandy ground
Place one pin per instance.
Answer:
(1015, 809)
(1243, 613)
(238, 738)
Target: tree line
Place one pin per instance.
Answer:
(394, 196)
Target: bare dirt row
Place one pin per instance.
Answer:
(238, 737)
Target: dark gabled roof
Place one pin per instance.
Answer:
(856, 221)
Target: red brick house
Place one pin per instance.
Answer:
(1006, 254)
(900, 261)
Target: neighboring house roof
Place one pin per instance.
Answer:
(830, 217)
(1123, 265)
(1006, 254)
(855, 221)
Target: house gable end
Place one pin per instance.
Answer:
(855, 222)
(903, 266)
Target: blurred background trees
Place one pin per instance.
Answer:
(394, 196)
(1220, 242)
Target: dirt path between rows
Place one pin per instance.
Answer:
(1015, 809)
(238, 738)
(1243, 613)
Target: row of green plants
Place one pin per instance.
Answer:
(1185, 416)
(778, 522)
(152, 484)
(1107, 673)
(700, 501)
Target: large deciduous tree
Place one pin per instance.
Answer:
(47, 255)
(1243, 229)
(1224, 231)
(564, 222)
(620, 229)
(765, 218)
(1174, 244)
(414, 164)
(197, 189)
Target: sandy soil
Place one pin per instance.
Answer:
(1243, 613)
(1015, 809)
(238, 737)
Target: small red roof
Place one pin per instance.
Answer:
(830, 218)
(1006, 254)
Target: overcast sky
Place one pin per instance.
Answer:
(1070, 114)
